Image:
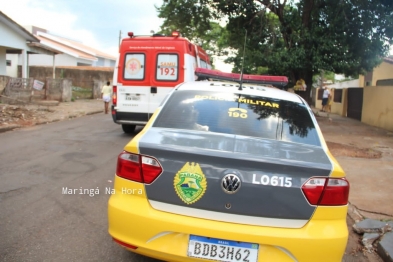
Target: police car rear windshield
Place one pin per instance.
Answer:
(239, 114)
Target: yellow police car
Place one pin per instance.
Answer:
(230, 172)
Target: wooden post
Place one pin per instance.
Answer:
(45, 87)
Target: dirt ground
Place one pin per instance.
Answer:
(355, 251)
(357, 146)
(22, 115)
(28, 115)
(33, 114)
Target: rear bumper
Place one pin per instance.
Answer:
(129, 118)
(165, 235)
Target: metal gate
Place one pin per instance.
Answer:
(355, 103)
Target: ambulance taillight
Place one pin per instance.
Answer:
(114, 95)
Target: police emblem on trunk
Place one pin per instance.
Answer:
(190, 183)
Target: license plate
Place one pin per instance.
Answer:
(132, 97)
(222, 250)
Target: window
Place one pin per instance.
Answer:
(8, 62)
(167, 67)
(385, 82)
(237, 114)
(203, 64)
(338, 93)
(134, 67)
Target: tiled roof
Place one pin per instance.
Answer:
(76, 45)
(66, 49)
(90, 49)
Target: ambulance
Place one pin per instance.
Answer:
(147, 69)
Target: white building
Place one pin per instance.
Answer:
(17, 46)
(37, 47)
(74, 53)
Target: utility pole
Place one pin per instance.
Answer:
(119, 38)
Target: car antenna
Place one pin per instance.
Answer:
(244, 54)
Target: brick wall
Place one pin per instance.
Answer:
(81, 74)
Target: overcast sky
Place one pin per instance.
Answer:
(96, 23)
(93, 22)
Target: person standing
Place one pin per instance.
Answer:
(106, 96)
(329, 103)
(325, 97)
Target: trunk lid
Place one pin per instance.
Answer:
(270, 174)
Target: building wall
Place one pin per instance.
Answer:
(339, 108)
(361, 81)
(383, 71)
(378, 107)
(345, 84)
(9, 38)
(47, 60)
(12, 70)
(3, 67)
(82, 74)
(84, 62)
(104, 62)
(100, 62)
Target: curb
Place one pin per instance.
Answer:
(354, 213)
(95, 112)
(9, 128)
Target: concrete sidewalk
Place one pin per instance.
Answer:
(366, 155)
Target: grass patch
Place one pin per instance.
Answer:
(82, 93)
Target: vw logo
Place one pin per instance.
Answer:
(231, 183)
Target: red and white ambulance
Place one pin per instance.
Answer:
(147, 69)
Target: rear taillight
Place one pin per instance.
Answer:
(326, 191)
(151, 169)
(114, 95)
(138, 168)
(128, 166)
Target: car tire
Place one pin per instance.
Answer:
(128, 129)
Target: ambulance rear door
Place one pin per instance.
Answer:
(134, 88)
(168, 71)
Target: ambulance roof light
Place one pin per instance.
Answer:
(130, 34)
(175, 33)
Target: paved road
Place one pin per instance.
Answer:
(40, 223)
(37, 221)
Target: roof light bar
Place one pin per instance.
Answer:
(253, 79)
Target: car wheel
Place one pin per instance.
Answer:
(128, 129)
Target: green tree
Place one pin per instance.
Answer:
(293, 38)
(192, 19)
